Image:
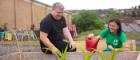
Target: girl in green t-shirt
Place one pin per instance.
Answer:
(114, 36)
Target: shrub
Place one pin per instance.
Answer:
(87, 20)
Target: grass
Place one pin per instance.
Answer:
(129, 35)
(137, 48)
(84, 34)
(133, 35)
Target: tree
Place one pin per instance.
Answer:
(139, 7)
(87, 20)
(138, 14)
(133, 14)
(112, 14)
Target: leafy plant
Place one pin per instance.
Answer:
(87, 20)
(87, 55)
(101, 54)
(111, 14)
(63, 55)
(60, 55)
(106, 57)
(113, 55)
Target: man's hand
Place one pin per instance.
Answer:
(72, 44)
(55, 51)
(68, 36)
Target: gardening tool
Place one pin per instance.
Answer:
(91, 43)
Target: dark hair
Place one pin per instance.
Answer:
(117, 21)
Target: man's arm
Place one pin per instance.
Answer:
(68, 36)
(45, 40)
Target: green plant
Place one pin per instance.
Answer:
(107, 57)
(101, 54)
(61, 55)
(87, 55)
(87, 20)
(113, 55)
(111, 14)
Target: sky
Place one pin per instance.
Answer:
(94, 4)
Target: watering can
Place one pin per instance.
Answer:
(91, 43)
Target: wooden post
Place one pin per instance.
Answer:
(15, 14)
(134, 45)
(31, 11)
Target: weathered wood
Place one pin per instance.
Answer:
(129, 55)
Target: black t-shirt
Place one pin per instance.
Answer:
(54, 29)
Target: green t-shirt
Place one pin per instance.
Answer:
(114, 40)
